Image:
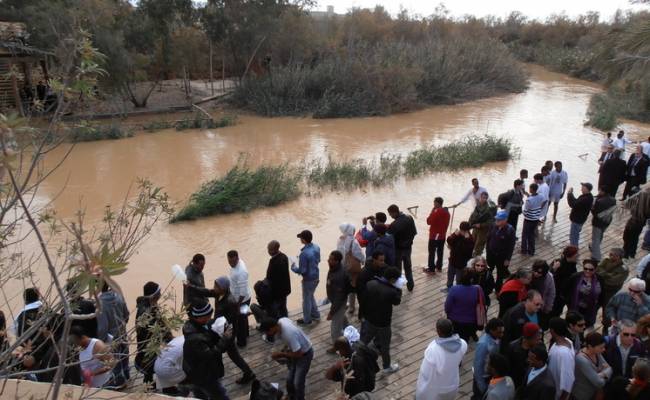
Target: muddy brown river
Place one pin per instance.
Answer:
(545, 122)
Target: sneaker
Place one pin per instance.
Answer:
(392, 369)
(268, 339)
(301, 321)
(245, 379)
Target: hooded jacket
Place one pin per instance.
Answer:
(439, 372)
(113, 317)
(202, 362)
(148, 321)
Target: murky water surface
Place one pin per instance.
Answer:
(545, 122)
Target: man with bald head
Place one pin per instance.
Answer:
(277, 275)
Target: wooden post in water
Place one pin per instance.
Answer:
(223, 72)
(211, 77)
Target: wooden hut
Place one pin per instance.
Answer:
(21, 68)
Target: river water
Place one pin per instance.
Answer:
(545, 122)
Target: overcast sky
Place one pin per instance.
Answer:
(532, 8)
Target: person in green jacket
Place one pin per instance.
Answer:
(481, 220)
(613, 274)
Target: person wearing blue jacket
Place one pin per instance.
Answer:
(308, 268)
(488, 344)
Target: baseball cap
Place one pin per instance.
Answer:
(501, 215)
(305, 235)
(588, 185)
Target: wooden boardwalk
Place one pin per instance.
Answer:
(413, 324)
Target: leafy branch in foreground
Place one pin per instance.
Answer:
(244, 189)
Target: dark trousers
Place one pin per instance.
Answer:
(453, 272)
(631, 182)
(464, 330)
(436, 250)
(298, 369)
(403, 262)
(528, 237)
(233, 354)
(380, 336)
(213, 390)
(241, 327)
(513, 219)
(495, 262)
(633, 229)
(278, 308)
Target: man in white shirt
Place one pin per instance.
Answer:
(240, 290)
(646, 147)
(561, 359)
(475, 193)
(439, 373)
(620, 142)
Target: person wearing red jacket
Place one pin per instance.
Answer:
(438, 222)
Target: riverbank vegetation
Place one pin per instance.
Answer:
(286, 60)
(243, 188)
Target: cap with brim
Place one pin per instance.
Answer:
(588, 185)
(501, 215)
(306, 235)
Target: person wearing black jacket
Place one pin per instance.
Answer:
(228, 307)
(602, 213)
(277, 275)
(539, 384)
(338, 287)
(580, 208)
(373, 268)
(637, 170)
(148, 322)
(376, 325)
(612, 173)
(202, 362)
(194, 290)
(501, 241)
(403, 230)
(358, 359)
(516, 317)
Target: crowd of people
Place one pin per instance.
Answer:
(543, 342)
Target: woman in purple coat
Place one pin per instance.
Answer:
(585, 292)
(461, 303)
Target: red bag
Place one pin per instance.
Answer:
(359, 238)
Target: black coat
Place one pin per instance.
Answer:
(613, 357)
(580, 207)
(612, 173)
(364, 368)
(277, 274)
(640, 169)
(403, 230)
(383, 296)
(202, 361)
(540, 388)
(514, 320)
(486, 282)
(367, 274)
(602, 203)
(148, 321)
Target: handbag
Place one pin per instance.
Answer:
(481, 316)
(352, 266)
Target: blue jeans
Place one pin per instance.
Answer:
(596, 239)
(298, 369)
(574, 233)
(309, 306)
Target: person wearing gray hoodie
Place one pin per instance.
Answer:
(111, 328)
(439, 376)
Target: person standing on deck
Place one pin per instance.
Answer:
(277, 274)
(403, 231)
(481, 221)
(461, 246)
(533, 211)
(241, 291)
(337, 287)
(513, 200)
(439, 376)
(475, 193)
(438, 222)
(636, 173)
(543, 190)
(558, 179)
(612, 173)
(500, 245)
(580, 208)
(308, 268)
(351, 250)
(376, 325)
(602, 213)
(194, 290)
(561, 359)
(620, 142)
(488, 343)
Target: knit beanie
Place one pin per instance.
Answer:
(200, 310)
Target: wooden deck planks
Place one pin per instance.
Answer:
(413, 325)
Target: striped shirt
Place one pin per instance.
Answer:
(533, 207)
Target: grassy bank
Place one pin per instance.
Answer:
(85, 132)
(244, 189)
(195, 122)
(385, 78)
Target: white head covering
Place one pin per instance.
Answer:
(637, 284)
(347, 240)
(351, 334)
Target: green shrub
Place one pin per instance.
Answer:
(602, 112)
(85, 132)
(365, 80)
(243, 189)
